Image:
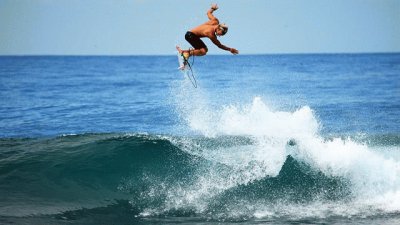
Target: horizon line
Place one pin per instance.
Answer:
(173, 54)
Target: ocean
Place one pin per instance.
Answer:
(263, 139)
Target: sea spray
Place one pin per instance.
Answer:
(360, 176)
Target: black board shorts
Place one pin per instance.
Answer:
(194, 40)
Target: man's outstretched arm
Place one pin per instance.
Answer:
(221, 46)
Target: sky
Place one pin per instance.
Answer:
(154, 27)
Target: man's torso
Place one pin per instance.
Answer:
(206, 30)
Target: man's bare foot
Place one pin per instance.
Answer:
(184, 53)
(179, 49)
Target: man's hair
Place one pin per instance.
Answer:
(224, 28)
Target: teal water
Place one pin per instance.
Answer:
(271, 139)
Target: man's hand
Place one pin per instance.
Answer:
(214, 6)
(234, 51)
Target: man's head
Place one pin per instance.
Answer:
(221, 30)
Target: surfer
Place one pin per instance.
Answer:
(210, 29)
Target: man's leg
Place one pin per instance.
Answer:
(190, 52)
(198, 52)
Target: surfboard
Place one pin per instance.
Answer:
(181, 61)
(186, 69)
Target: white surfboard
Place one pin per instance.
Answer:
(186, 69)
(181, 61)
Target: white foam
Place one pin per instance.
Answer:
(374, 178)
(370, 174)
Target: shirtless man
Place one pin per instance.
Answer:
(210, 29)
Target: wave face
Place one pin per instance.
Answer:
(226, 177)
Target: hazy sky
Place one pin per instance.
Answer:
(132, 27)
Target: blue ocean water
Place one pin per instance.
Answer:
(47, 96)
(264, 139)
